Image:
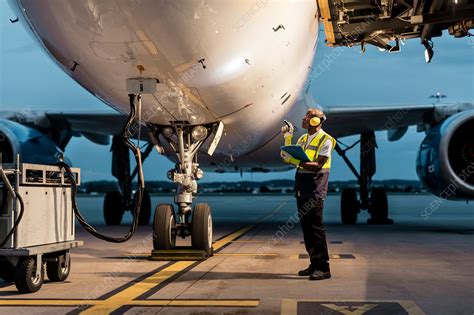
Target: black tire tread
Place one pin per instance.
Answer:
(53, 271)
(349, 206)
(379, 204)
(23, 271)
(113, 208)
(161, 226)
(145, 209)
(199, 226)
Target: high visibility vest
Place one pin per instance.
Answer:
(312, 150)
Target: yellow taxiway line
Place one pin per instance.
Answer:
(107, 304)
(130, 295)
(246, 254)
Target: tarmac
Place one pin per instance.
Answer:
(422, 264)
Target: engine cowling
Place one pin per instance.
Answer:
(32, 145)
(445, 162)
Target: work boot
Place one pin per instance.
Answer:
(307, 272)
(320, 275)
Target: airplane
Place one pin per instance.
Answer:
(209, 83)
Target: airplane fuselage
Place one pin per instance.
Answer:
(244, 63)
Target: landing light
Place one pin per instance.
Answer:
(199, 133)
(199, 173)
(167, 132)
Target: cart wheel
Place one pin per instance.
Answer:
(58, 271)
(7, 271)
(25, 280)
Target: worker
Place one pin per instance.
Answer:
(311, 184)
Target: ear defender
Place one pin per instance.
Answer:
(316, 121)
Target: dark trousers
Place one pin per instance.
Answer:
(310, 212)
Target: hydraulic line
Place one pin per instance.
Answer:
(20, 200)
(126, 134)
(17, 221)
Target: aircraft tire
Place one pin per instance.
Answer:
(113, 208)
(202, 229)
(379, 205)
(349, 206)
(164, 227)
(145, 209)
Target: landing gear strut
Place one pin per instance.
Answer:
(377, 203)
(116, 202)
(185, 140)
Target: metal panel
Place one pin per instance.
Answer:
(48, 216)
(41, 249)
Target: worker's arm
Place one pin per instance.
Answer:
(314, 166)
(287, 158)
(288, 129)
(322, 158)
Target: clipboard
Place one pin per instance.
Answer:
(296, 152)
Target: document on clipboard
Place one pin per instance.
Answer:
(296, 152)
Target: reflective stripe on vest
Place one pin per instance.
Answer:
(312, 150)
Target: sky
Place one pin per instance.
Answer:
(30, 80)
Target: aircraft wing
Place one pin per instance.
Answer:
(342, 120)
(60, 126)
(94, 123)
(354, 120)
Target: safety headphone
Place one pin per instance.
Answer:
(316, 121)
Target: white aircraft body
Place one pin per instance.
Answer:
(250, 76)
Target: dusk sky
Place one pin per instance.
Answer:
(30, 80)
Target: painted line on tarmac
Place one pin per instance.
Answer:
(133, 293)
(332, 256)
(329, 242)
(219, 245)
(188, 303)
(294, 307)
(151, 285)
(247, 254)
(248, 241)
(158, 302)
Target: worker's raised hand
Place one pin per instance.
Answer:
(288, 129)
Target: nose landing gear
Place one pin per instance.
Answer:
(185, 140)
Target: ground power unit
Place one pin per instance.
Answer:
(36, 224)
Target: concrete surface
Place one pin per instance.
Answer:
(419, 265)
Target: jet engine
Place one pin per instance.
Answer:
(445, 162)
(32, 145)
